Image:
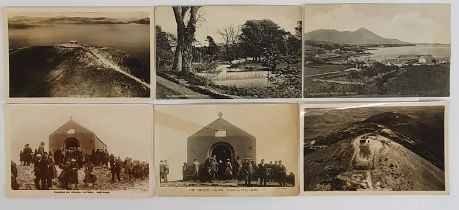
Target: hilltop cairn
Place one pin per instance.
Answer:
(71, 43)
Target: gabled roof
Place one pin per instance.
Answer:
(72, 125)
(221, 124)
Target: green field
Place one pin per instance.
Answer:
(412, 81)
(318, 69)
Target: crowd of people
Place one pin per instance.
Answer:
(71, 160)
(245, 171)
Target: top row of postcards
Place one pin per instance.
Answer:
(229, 52)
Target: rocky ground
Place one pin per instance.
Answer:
(26, 181)
(377, 165)
(218, 183)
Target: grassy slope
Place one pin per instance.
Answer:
(421, 81)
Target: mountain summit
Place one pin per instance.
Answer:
(76, 71)
(388, 151)
(361, 36)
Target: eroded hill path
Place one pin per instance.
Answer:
(106, 62)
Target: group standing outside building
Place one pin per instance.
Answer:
(70, 161)
(246, 172)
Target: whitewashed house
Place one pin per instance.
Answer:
(426, 59)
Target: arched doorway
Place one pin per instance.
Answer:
(71, 142)
(222, 152)
(70, 146)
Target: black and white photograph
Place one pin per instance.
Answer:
(79, 52)
(227, 150)
(80, 150)
(376, 50)
(376, 148)
(228, 52)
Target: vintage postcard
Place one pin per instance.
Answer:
(377, 50)
(228, 52)
(227, 150)
(392, 148)
(62, 54)
(84, 150)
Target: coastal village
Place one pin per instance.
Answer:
(346, 69)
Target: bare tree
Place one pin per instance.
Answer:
(230, 35)
(185, 35)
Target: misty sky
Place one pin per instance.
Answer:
(274, 126)
(216, 18)
(416, 23)
(125, 129)
(126, 14)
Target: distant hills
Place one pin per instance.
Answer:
(23, 20)
(361, 36)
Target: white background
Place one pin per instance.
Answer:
(374, 202)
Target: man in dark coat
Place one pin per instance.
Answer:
(248, 172)
(115, 169)
(27, 154)
(238, 169)
(282, 173)
(262, 175)
(106, 158)
(21, 158)
(207, 173)
(73, 174)
(58, 157)
(79, 157)
(51, 172)
(63, 176)
(40, 171)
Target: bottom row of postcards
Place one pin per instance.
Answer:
(138, 150)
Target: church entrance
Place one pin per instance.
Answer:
(70, 146)
(223, 152)
(71, 142)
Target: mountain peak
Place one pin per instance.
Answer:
(363, 29)
(361, 36)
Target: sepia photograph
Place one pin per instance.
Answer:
(79, 52)
(377, 50)
(228, 52)
(79, 150)
(227, 150)
(391, 148)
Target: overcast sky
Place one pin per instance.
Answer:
(125, 129)
(216, 18)
(417, 23)
(275, 128)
